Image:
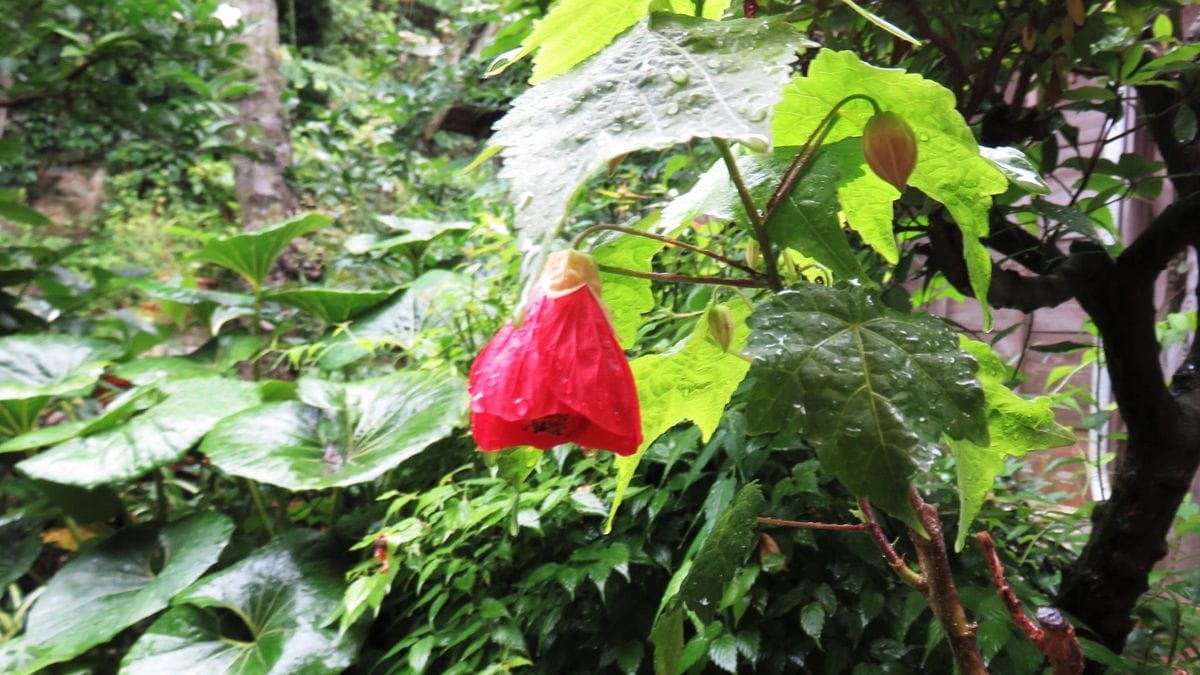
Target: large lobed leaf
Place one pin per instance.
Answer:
(262, 615)
(339, 434)
(694, 381)
(949, 167)
(1016, 426)
(252, 254)
(666, 80)
(122, 580)
(870, 388)
(161, 434)
(332, 305)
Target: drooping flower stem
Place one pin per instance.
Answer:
(792, 175)
(686, 279)
(757, 222)
(665, 239)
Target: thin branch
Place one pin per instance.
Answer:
(685, 279)
(894, 560)
(27, 99)
(1052, 634)
(671, 241)
(814, 525)
(752, 213)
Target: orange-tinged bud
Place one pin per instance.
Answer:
(566, 271)
(890, 147)
(1076, 12)
(720, 326)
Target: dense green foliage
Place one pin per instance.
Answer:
(212, 461)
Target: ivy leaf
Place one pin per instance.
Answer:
(159, 435)
(950, 168)
(870, 387)
(628, 297)
(252, 254)
(666, 80)
(723, 552)
(340, 434)
(262, 615)
(124, 579)
(694, 381)
(1016, 425)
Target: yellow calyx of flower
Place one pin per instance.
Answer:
(568, 271)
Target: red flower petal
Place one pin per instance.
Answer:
(560, 377)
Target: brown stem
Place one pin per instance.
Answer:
(942, 594)
(894, 560)
(665, 239)
(685, 279)
(757, 223)
(813, 525)
(1052, 634)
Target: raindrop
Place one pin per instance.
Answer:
(678, 75)
(672, 108)
(757, 115)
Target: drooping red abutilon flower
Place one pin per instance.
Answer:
(890, 148)
(559, 377)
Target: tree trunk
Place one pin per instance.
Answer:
(262, 191)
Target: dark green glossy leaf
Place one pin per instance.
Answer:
(812, 620)
(332, 305)
(722, 653)
(433, 298)
(122, 580)
(51, 365)
(118, 410)
(870, 387)
(341, 434)
(664, 81)
(159, 435)
(807, 219)
(723, 552)
(20, 542)
(260, 616)
(252, 254)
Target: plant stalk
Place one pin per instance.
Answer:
(671, 241)
(685, 279)
(752, 213)
(261, 507)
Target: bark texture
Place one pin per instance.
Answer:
(260, 184)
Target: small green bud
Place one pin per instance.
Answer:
(720, 326)
(753, 254)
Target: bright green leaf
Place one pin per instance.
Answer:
(572, 31)
(252, 254)
(113, 586)
(722, 653)
(870, 388)
(723, 552)
(627, 297)
(117, 411)
(1016, 425)
(666, 80)
(694, 381)
(341, 434)
(949, 167)
(161, 434)
(280, 595)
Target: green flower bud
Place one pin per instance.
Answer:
(720, 326)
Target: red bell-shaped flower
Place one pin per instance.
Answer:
(561, 375)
